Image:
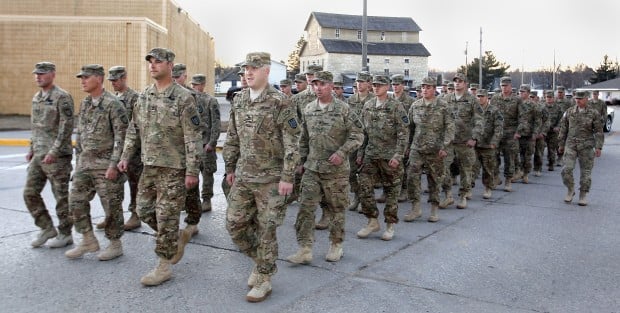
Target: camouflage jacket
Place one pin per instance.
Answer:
(52, 123)
(601, 107)
(100, 132)
(514, 112)
(262, 141)
(209, 110)
(324, 132)
(405, 99)
(581, 130)
(432, 125)
(128, 99)
(564, 103)
(534, 119)
(468, 120)
(166, 129)
(493, 127)
(386, 130)
(544, 118)
(356, 103)
(301, 99)
(555, 115)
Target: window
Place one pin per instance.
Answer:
(406, 60)
(382, 36)
(386, 71)
(406, 73)
(337, 32)
(404, 36)
(386, 61)
(367, 60)
(359, 35)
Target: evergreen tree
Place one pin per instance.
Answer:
(292, 64)
(491, 69)
(606, 71)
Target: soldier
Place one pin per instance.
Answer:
(244, 85)
(551, 137)
(515, 122)
(599, 105)
(286, 87)
(488, 141)
(473, 88)
(386, 135)
(339, 90)
(261, 153)
(166, 129)
(468, 128)
(329, 132)
(398, 85)
(527, 135)
(539, 146)
(564, 103)
(450, 90)
(117, 75)
(581, 137)
(99, 143)
(444, 88)
(179, 74)
(356, 103)
(49, 157)
(300, 82)
(432, 125)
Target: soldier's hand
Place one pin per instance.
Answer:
(29, 156)
(335, 159)
(284, 188)
(597, 152)
(122, 166)
(359, 161)
(208, 148)
(493, 146)
(111, 173)
(517, 136)
(471, 143)
(191, 181)
(299, 169)
(393, 163)
(561, 150)
(442, 154)
(230, 178)
(556, 129)
(49, 159)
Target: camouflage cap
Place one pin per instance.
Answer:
(482, 92)
(116, 72)
(338, 83)
(323, 76)
(300, 78)
(560, 88)
(595, 92)
(460, 76)
(398, 79)
(44, 67)
(90, 70)
(450, 85)
(363, 77)
(534, 93)
(161, 54)
(199, 79)
(506, 80)
(313, 68)
(241, 71)
(286, 82)
(258, 59)
(380, 80)
(418, 88)
(581, 94)
(445, 82)
(525, 87)
(473, 86)
(178, 69)
(549, 93)
(429, 81)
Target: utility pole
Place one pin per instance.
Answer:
(554, 69)
(480, 63)
(364, 44)
(466, 44)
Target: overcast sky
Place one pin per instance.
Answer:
(522, 33)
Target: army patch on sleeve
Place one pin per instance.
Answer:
(293, 123)
(405, 119)
(67, 111)
(195, 120)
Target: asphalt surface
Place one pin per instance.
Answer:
(524, 251)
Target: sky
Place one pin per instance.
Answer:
(524, 34)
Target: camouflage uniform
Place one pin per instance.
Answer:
(432, 124)
(406, 100)
(166, 130)
(386, 135)
(581, 131)
(134, 169)
(528, 137)
(551, 138)
(539, 148)
(601, 107)
(192, 195)
(300, 101)
(515, 120)
(487, 143)
(564, 103)
(324, 132)
(99, 143)
(356, 103)
(261, 149)
(52, 125)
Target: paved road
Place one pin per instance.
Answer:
(525, 251)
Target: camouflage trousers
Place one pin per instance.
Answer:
(552, 147)
(58, 174)
(208, 166)
(586, 162)
(433, 166)
(465, 158)
(509, 149)
(87, 183)
(134, 170)
(296, 189)
(486, 158)
(526, 152)
(390, 178)
(539, 153)
(252, 218)
(332, 191)
(161, 195)
(353, 177)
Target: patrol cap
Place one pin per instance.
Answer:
(178, 69)
(199, 79)
(44, 67)
(398, 79)
(560, 88)
(460, 76)
(241, 71)
(473, 86)
(161, 54)
(525, 87)
(445, 82)
(286, 82)
(313, 68)
(323, 76)
(595, 92)
(506, 80)
(549, 93)
(533, 93)
(450, 85)
(90, 70)
(300, 78)
(258, 59)
(580, 94)
(482, 92)
(363, 77)
(430, 81)
(338, 83)
(380, 80)
(418, 88)
(116, 72)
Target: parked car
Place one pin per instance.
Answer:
(609, 120)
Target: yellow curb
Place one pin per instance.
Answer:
(14, 142)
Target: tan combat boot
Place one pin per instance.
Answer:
(569, 195)
(518, 175)
(371, 227)
(434, 217)
(508, 185)
(101, 225)
(133, 222)
(253, 277)
(191, 229)
(354, 203)
(526, 179)
(323, 222)
(487, 193)
(335, 252)
(462, 202)
(582, 198)
(388, 234)
(415, 212)
(89, 243)
(537, 173)
(43, 236)
(184, 237)
(468, 195)
(302, 256)
(261, 290)
(497, 180)
(449, 200)
(113, 250)
(60, 241)
(403, 196)
(206, 205)
(158, 275)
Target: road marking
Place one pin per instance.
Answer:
(10, 156)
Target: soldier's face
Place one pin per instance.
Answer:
(285, 89)
(338, 90)
(160, 69)
(380, 90)
(560, 94)
(362, 86)
(506, 89)
(199, 87)
(257, 77)
(582, 102)
(323, 90)
(483, 100)
(301, 86)
(549, 100)
(91, 83)
(45, 80)
(119, 84)
(523, 94)
(428, 92)
(180, 79)
(459, 85)
(398, 88)
(595, 95)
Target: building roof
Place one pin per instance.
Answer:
(381, 23)
(384, 48)
(612, 84)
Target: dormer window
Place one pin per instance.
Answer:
(337, 32)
